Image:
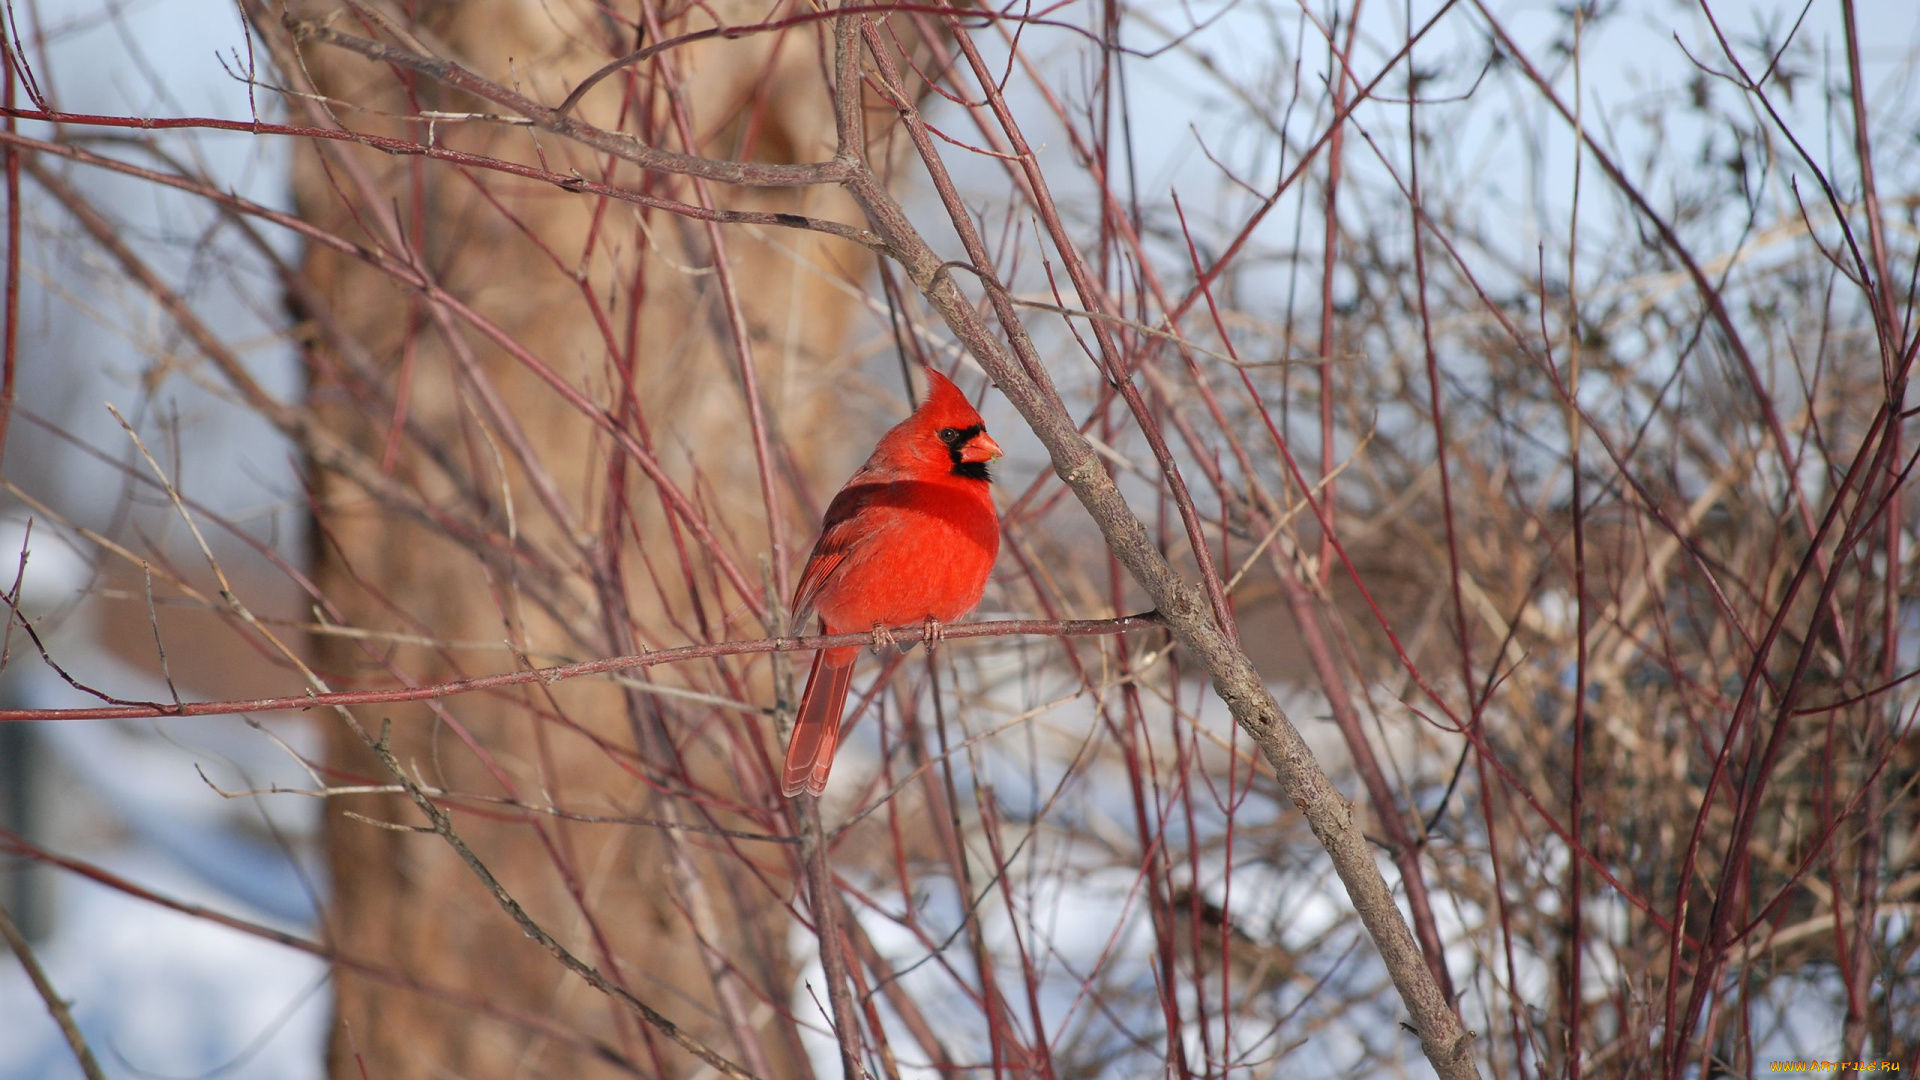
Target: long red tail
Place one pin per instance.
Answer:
(816, 731)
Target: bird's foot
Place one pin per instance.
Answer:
(882, 638)
(933, 633)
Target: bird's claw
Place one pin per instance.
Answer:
(882, 638)
(933, 633)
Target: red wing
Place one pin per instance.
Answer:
(819, 571)
(840, 534)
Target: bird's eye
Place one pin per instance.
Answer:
(948, 434)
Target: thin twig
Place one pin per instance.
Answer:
(56, 1008)
(559, 672)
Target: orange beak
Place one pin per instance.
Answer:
(980, 448)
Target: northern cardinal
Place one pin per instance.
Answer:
(911, 537)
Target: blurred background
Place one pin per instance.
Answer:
(1717, 428)
(161, 991)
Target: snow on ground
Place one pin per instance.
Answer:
(162, 994)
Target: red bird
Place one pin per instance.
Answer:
(911, 537)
